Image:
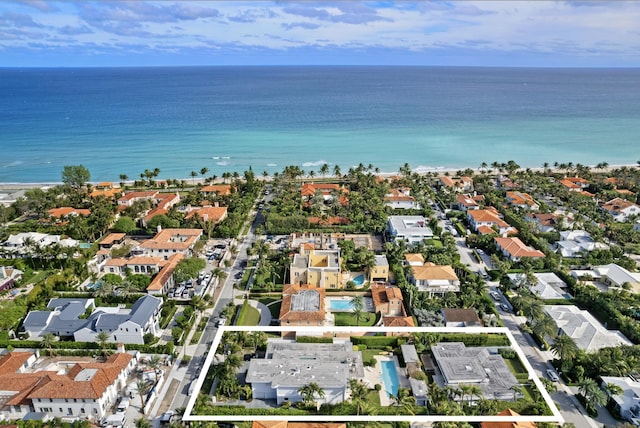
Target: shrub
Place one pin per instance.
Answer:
(377, 387)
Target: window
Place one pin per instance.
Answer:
(82, 410)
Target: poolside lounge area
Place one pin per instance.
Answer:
(373, 376)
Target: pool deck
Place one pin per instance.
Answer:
(373, 375)
(368, 303)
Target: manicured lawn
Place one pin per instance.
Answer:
(515, 365)
(433, 243)
(249, 316)
(349, 319)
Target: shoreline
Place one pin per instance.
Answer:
(17, 186)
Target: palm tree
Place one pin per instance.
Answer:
(154, 363)
(565, 349)
(336, 171)
(357, 301)
(102, 338)
(324, 169)
(404, 400)
(123, 179)
(545, 326)
(141, 388)
(613, 389)
(194, 174)
(203, 171)
(309, 391)
(47, 342)
(142, 423)
(593, 395)
(358, 394)
(517, 390)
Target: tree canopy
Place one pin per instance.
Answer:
(75, 176)
(188, 268)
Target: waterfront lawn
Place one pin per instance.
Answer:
(349, 319)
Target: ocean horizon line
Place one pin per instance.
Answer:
(458, 66)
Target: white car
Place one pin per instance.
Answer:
(553, 375)
(221, 322)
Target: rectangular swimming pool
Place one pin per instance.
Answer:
(390, 377)
(340, 305)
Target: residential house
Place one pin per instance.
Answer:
(548, 285)
(171, 241)
(400, 198)
(387, 300)
(129, 198)
(543, 222)
(8, 277)
(413, 259)
(68, 318)
(26, 243)
(163, 202)
(111, 240)
(467, 201)
(164, 281)
(65, 212)
(136, 264)
(302, 305)
(626, 403)
(577, 243)
(380, 269)
(458, 317)
(521, 200)
(434, 279)
(105, 190)
(317, 267)
(587, 332)
(459, 364)
(488, 221)
(461, 184)
(327, 190)
(214, 214)
(611, 276)
(411, 229)
(63, 318)
(124, 325)
(83, 390)
(514, 249)
(287, 367)
(621, 209)
(574, 184)
(216, 190)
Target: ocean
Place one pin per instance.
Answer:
(180, 119)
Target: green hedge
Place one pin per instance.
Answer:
(92, 347)
(488, 339)
(313, 339)
(375, 342)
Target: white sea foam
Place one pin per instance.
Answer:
(316, 163)
(14, 163)
(272, 164)
(421, 169)
(222, 163)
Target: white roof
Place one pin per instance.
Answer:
(587, 332)
(548, 286)
(617, 274)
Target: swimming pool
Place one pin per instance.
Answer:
(390, 377)
(358, 280)
(340, 305)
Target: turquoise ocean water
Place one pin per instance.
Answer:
(122, 121)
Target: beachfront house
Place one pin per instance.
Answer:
(620, 209)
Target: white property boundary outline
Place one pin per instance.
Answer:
(557, 417)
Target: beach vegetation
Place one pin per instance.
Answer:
(75, 176)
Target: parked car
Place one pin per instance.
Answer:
(553, 375)
(221, 322)
(167, 417)
(504, 307)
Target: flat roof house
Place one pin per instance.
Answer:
(288, 366)
(410, 228)
(628, 402)
(317, 267)
(475, 366)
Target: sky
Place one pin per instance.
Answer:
(81, 33)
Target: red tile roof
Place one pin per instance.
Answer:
(67, 211)
(516, 248)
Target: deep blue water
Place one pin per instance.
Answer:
(117, 121)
